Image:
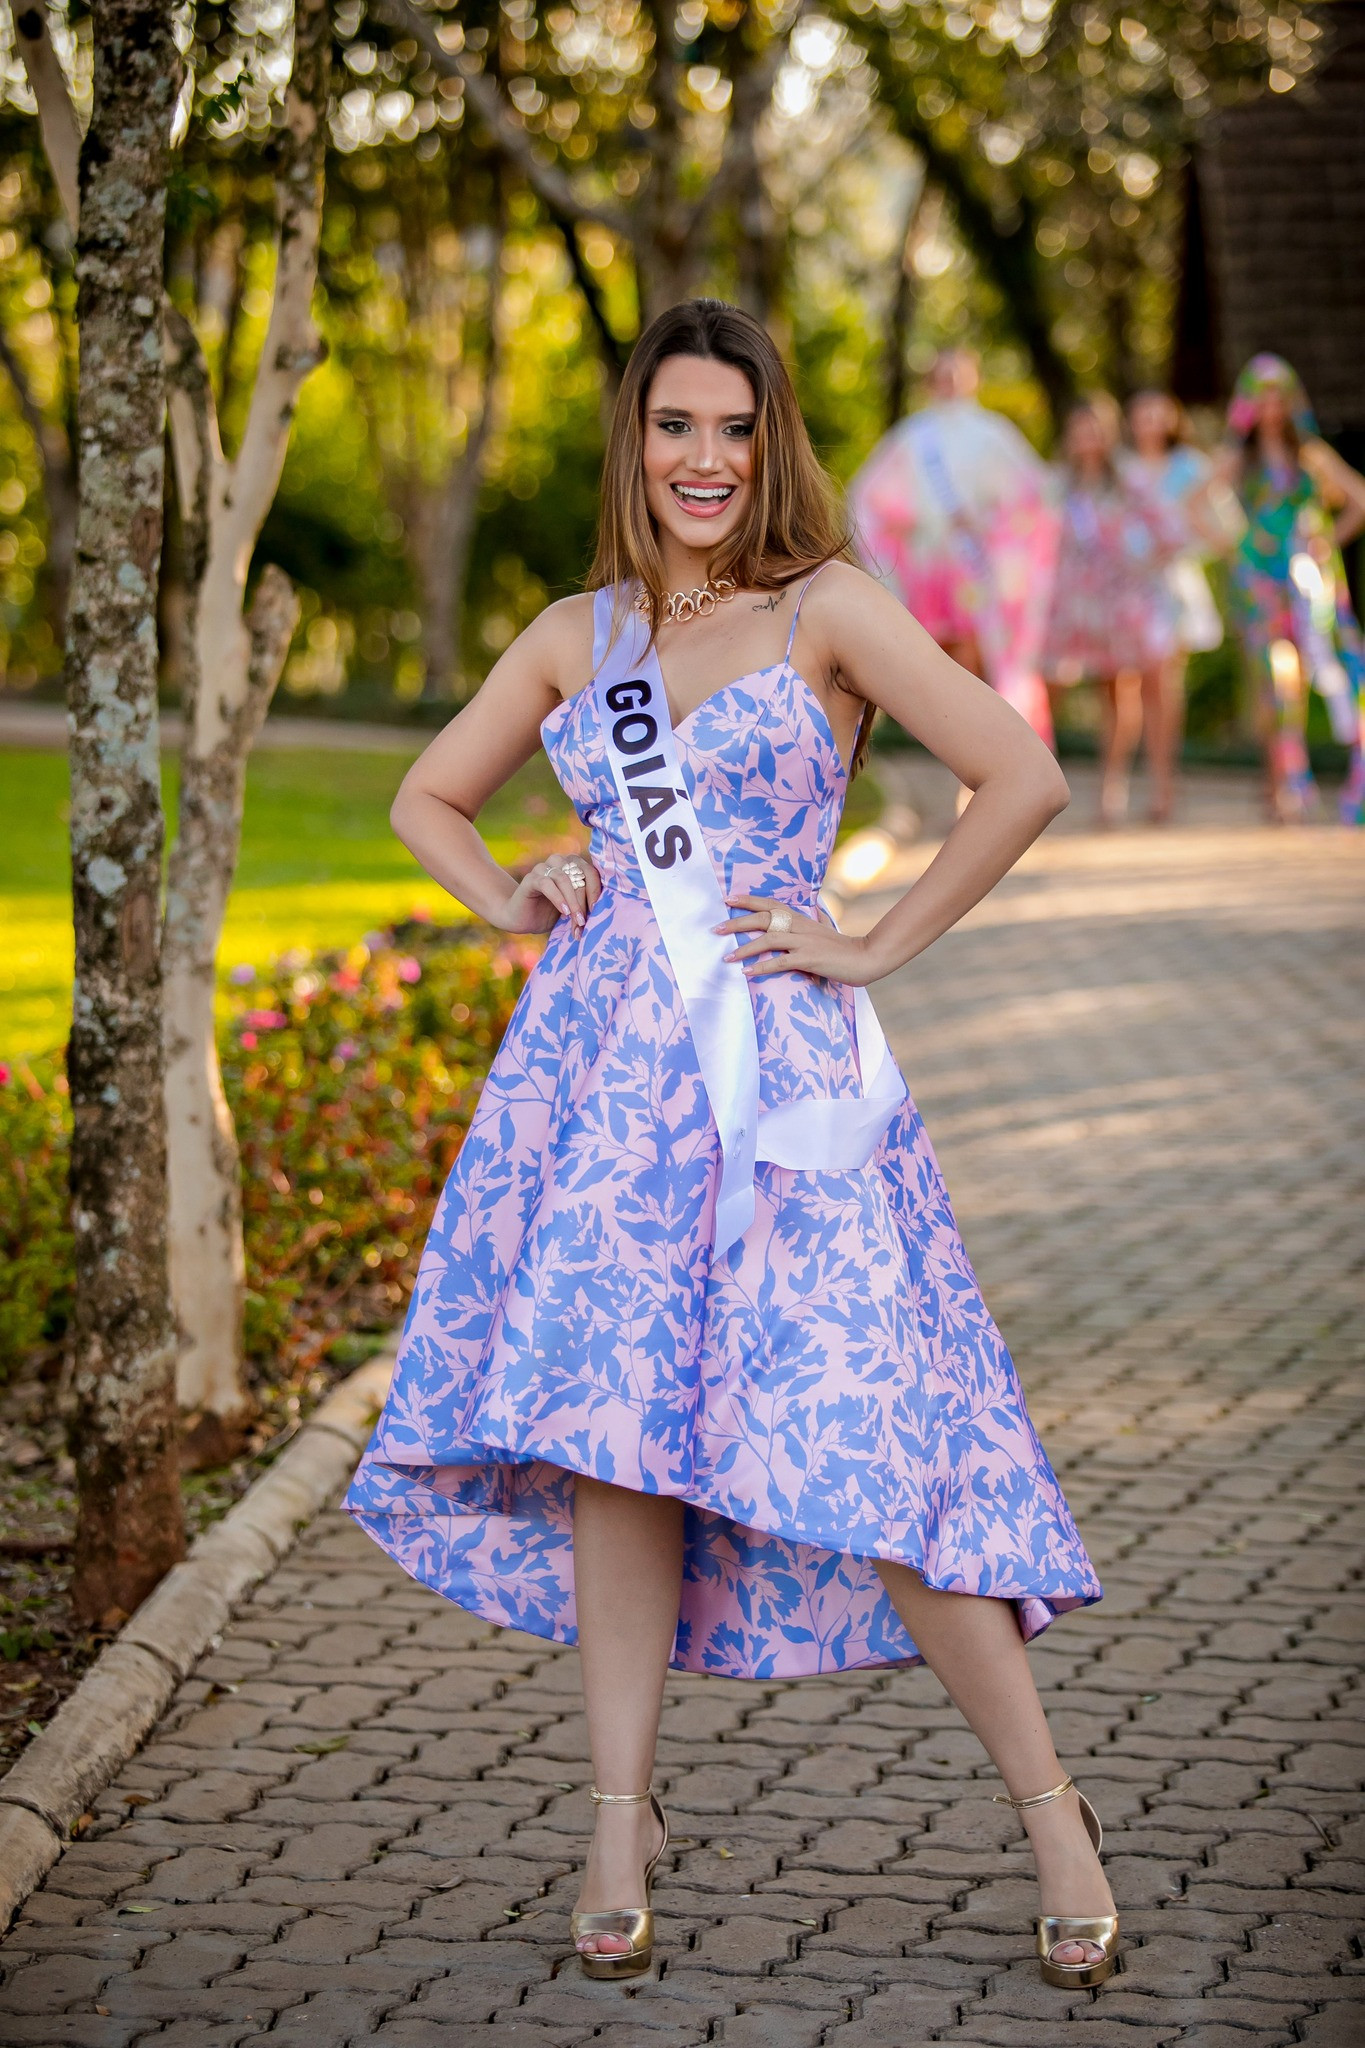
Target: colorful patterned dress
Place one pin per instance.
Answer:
(1289, 586)
(956, 514)
(830, 1391)
(1174, 480)
(1111, 604)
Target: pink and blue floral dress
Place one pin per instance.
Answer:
(829, 1392)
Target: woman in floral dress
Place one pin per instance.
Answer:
(1112, 621)
(1165, 464)
(1292, 601)
(696, 1369)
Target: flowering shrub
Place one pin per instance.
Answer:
(351, 1078)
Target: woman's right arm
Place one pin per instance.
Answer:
(482, 748)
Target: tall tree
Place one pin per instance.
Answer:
(123, 1431)
(415, 292)
(1053, 131)
(233, 658)
(674, 149)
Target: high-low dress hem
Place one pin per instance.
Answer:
(420, 1550)
(830, 1392)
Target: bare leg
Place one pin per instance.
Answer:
(627, 1554)
(1163, 719)
(1284, 723)
(1121, 713)
(974, 1649)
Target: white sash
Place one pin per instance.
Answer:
(820, 1133)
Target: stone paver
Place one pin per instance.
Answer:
(362, 1818)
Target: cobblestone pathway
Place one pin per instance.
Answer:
(361, 1821)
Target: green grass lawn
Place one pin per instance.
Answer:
(319, 867)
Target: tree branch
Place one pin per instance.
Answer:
(35, 419)
(271, 622)
(615, 352)
(752, 82)
(196, 450)
(1007, 255)
(508, 136)
(56, 114)
(293, 346)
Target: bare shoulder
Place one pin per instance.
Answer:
(841, 604)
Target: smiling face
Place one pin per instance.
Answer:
(698, 458)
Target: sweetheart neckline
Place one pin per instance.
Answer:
(751, 675)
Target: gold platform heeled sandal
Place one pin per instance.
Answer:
(634, 1924)
(1055, 1929)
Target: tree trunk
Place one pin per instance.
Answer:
(207, 1257)
(233, 666)
(449, 534)
(123, 1429)
(902, 313)
(1005, 252)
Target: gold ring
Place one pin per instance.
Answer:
(779, 920)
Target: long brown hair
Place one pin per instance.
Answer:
(794, 523)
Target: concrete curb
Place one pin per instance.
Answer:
(124, 1694)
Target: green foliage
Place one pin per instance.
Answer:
(35, 1238)
(1058, 134)
(351, 1077)
(1048, 137)
(319, 862)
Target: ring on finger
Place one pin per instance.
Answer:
(779, 920)
(574, 874)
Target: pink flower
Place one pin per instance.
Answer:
(345, 981)
(409, 969)
(242, 977)
(347, 1049)
(249, 1040)
(4, 1075)
(265, 1020)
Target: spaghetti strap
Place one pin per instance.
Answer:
(796, 615)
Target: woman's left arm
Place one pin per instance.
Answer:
(881, 654)
(1342, 487)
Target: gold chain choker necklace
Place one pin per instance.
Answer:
(681, 605)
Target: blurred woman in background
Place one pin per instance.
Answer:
(1164, 462)
(1292, 602)
(1112, 622)
(955, 514)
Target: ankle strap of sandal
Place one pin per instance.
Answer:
(625, 1798)
(1037, 1798)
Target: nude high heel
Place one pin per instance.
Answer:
(1053, 1929)
(634, 1924)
